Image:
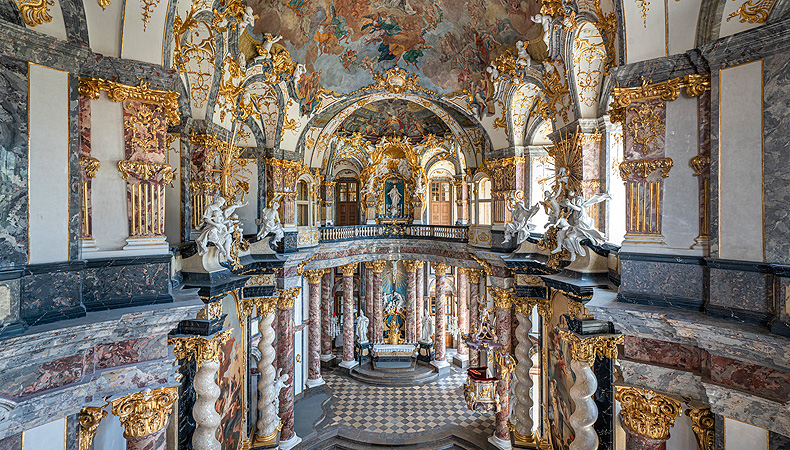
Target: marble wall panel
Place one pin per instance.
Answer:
(666, 283)
(758, 380)
(777, 441)
(127, 352)
(14, 153)
(688, 357)
(13, 442)
(113, 285)
(741, 290)
(50, 296)
(776, 154)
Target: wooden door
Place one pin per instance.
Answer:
(441, 212)
(347, 203)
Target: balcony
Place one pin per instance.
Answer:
(444, 233)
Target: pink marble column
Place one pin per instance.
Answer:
(154, 441)
(348, 315)
(463, 310)
(474, 313)
(326, 315)
(439, 315)
(285, 362)
(369, 297)
(636, 441)
(420, 276)
(504, 306)
(314, 329)
(378, 313)
(411, 301)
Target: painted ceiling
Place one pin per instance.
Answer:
(394, 117)
(447, 42)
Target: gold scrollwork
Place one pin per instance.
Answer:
(301, 265)
(146, 412)
(89, 165)
(200, 348)
(148, 8)
(263, 305)
(668, 90)
(644, 167)
(646, 124)
(35, 12)
(503, 298)
(440, 269)
(117, 92)
(589, 347)
(90, 417)
(146, 170)
(699, 163)
(484, 263)
(395, 80)
(474, 276)
(753, 12)
(646, 412)
(702, 425)
(286, 297)
(412, 265)
(314, 276)
(375, 266)
(211, 310)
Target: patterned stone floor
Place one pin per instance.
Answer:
(404, 411)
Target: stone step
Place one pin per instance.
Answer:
(393, 377)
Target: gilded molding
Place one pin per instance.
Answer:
(301, 265)
(646, 412)
(699, 163)
(641, 168)
(89, 165)
(35, 12)
(588, 348)
(286, 297)
(375, 266)
(146, 412)
(753, 11)
(503, 298)
(263, 305)
(474, 275)
(440, 269)
(117, 92)
(485, 264)
(90, 418)
(200, 186)
(212, 310)
(146, 170)
(702, 424)
(668, 90)
(412, 265)
(200, 348)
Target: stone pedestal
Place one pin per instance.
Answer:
(425, 352)
(362, 352)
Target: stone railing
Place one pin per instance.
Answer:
(395, 231)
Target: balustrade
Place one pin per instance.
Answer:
(388, 231)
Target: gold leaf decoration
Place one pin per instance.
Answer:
(753, 12)
(35, 12)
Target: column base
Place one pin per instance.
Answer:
(290, 443)
(89, 245)
(500, 443)
(349, 364)
(315, 383)
(265, 441)
(522, 441)
(441, 367)
(461, 361)
(152, 244)
(328, 357)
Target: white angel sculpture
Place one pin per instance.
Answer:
(551, 206)
(404, 168)
(523, 60)
(578, 225)
(270, 222)
(545, 22)
(280, 383)
(267, 46)
(521, 224)
(218, 226)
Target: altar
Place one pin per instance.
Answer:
(394, 356)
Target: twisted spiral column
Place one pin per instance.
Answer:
(586, 412)
(205, 411)
(268, 420)
(523, 381)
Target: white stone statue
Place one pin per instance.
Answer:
(267, 46)
(552, 207)
(493, 72)
(427, 326)
(404, 168)
(419, 188)
(395, 197)
(299, 71)
(217, 227)
(578, 225)
(523, 60)
(270, 222)
(521, 224)
(249, 17)
(280, 383)
(545, 22)
(242, 62)
(362, 328)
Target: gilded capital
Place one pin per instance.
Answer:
(286, 297)
(588, 348)
(314, 276)
(146, 412)
(646, 412)
(524, 305)
(473, 275)
(702, 425)
(263, 305)
(212, 310)
(503, 298)
(90, 417)
(412, 266)
(201, 348)
(440, 269)
(376, 266)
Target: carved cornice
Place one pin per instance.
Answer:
(702, 425)
(146, 412)
(144, 170)
(668, 90)
(117, 92)
(314, 276)
(642, 168)
(412, 265)
(89, 165)
(375, 266)
(699, 163)
(90, 418)
(200, 348)
(587, 348)
(503, 298)
(646, 412)
(286, 297)
(440, 269)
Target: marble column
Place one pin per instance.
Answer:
(348, 316)
(419, 276)
(285, 356)
(411, 302)
(503, 302)
(586, 412)
(463, 316)
(473, 276)
(522, 418)
(144, 416)
(647, 417)
(314, 329)
(266, 427)
(440, 360)
(378, 312)
(326, 316)
(369, 297)
(205, 351)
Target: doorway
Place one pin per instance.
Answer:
(441, 212)
(347, 203)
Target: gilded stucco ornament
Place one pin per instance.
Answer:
(668, 90)
(646, 412)
(35, 12)
(286, 297)
(117, 92)
(200, 348)
(263, 305)
(146, 412)
(699, 163)
(503, 298)
(90, 418)
(440, 269)
(702, 424)
(642, 168)
(587, 348)
(212, 310)
(89, 165)
(146, 170)
(753, 11)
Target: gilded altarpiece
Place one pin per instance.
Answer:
(231, 377)
(557, 375)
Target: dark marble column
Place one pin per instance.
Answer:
(378, 313)
(439, 315)
(473, 276)
(369, 297)
(314, 329)
(326, 315)
(348, 315)
(411, 301)
(285, 358)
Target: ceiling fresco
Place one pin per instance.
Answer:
(394, 117)
(447, 42)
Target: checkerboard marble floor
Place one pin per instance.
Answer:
(404, 410)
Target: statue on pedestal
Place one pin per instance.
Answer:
(362, 328)
(521, 224)
(427, 326)
(395, 196)
(270, 222)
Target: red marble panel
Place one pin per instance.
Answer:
(759, 380)
(686, 357)
(49, 375)
(145, 127)
(128, 352)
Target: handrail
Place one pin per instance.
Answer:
(394, 231)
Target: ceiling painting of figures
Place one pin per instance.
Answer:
(447, 42)
(394, 117)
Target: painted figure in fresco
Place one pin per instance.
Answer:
(270, 222)
(521, 224)
(299, 71)
(280, 383)
(427, 326)
(545, 22)
(395, 197)
(362, 328)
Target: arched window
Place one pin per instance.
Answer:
(302, 204)
(484, 202)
